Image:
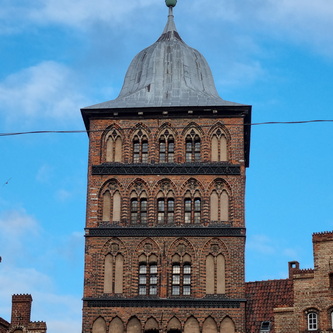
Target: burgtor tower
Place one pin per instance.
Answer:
(165, 229)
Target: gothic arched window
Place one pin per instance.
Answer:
(114, 145)
(192, 147)
(219, 147)
(138, 208)
(113, 273)
(181, 275)
(219, 205)
(148, 275)
(165, 208)
(166, 148)
(215, 274)
(192, 207)
(140, 147)
(111, 202)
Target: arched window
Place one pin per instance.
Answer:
(113, 146)
(215, 274)
(113, 273)
(219, 206)
(219, 147)
(139, 208)
(181, 275)
(140, 147)
(174, 326)
(227, 326)
(151, 326)
(165, 208)
(331, 315)
(209, 326)
(111, 206)
(99, 326)
(148, 275)
(312, 320)
(166, 148)
(134, 326)
(116, 326)
(192, 147)
(191, 326)
(192, 207)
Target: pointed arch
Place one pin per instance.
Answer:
(220, 274)
(110, 201)
(107, 206)
(116, 206)
(227, 326)
(214, 257)
(220, 201)
(99, 326)
(174, 325)
(112, 143)
(116, 326)
(151, 325)
(108, 274)
(209, 326)
(191, 326)
(119, 273)
(210, 274)
(134, 326)
(140, 144)
(219, 138)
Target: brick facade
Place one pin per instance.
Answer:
(129, 311)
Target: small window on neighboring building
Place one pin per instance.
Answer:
(265, 326)
(312, 321)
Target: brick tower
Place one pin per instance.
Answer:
(165, 231)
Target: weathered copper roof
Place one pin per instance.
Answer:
(167, 73)
(262, 297)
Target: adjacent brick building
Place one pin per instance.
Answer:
(301, 303)
(21, 317)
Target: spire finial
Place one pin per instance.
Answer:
(171, 3)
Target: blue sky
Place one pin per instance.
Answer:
(58, 56)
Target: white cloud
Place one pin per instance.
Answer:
(300, 21)
(261, 244)
(79, 14)
(58, 311)
(16, 223)
(44, 173)
(17, 229)
(44, 91)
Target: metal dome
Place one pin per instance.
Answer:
(167, 73)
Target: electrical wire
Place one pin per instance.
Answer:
(102, 130)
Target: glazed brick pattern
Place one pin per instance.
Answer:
(163, 316)
(164, 247)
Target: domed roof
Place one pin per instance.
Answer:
(167, 73)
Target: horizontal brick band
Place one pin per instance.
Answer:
(165, 232)
(166, 169)
(163, 303)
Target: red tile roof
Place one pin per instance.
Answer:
(262, 298)
(4, 325)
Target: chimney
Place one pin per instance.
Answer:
(292, 266)
(21, 310)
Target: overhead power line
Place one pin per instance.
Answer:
(246, 124)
